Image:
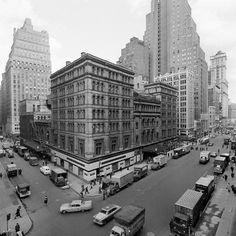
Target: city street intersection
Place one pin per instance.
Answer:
(157, 193)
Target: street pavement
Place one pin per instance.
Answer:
(157, 193)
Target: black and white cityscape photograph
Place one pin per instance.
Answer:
(118, 118)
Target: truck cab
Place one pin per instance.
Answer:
(33, 161)
(59, 177)
(204, 157)
(220, 164)
(140, 171)
(11, 170)
(23, 190)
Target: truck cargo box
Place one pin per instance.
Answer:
(128, 214)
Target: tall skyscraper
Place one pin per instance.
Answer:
(218, 79)
(135, 56)
(174, 45)
(26, 74)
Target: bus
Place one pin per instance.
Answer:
(22, 150)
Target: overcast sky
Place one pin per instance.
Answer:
(103, 27)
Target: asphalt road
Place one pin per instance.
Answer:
(157, 193)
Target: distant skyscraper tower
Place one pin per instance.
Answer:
(218, 78)
(27, 72)
(174, 45)
(135, 56)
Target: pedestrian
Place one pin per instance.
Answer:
(20, 171)
(45, 200)
(82, 194)
(225, 177)
(103, 195)
(86, 190)
(17, 227)
(18, 212)
(228, 187)
(232, 169)
(82, 186)
(218, 151)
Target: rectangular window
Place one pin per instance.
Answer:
(98, 145)
(81, 147)
(126, 141)
(114, 144)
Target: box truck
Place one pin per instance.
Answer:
(128, 221)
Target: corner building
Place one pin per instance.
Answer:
(26, 74)
(92, 117)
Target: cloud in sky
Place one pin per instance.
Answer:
(104, 27)
(216, 26)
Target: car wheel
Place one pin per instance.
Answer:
(63, 212)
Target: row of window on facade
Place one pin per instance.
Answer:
(99, 144)
(98, 71)
(96, 127)
(146, 108)
(96, 100)
(146, 122)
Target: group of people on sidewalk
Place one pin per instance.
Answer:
(85, 190)
(230, 186)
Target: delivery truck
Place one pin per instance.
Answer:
(187, 211)
(160, 159)
(220, 164)
(140, 171)
(128, 221)
(206, 185)
(11, 170)
(59, 177)
(204, 157)
(120, 180)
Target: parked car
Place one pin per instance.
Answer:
(210, 144)
(76, 206)
(213, 154)
(45, 170)
(106, 214)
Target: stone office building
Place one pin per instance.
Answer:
(92, 117)
(26, 74)
(183, 80)
(167, 94)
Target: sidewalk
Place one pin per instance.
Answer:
(9, 202)
(76, 184)
(217, 219)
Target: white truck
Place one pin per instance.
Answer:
(128, 221)
(204, 157)
(123, 178)
(160, 159)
